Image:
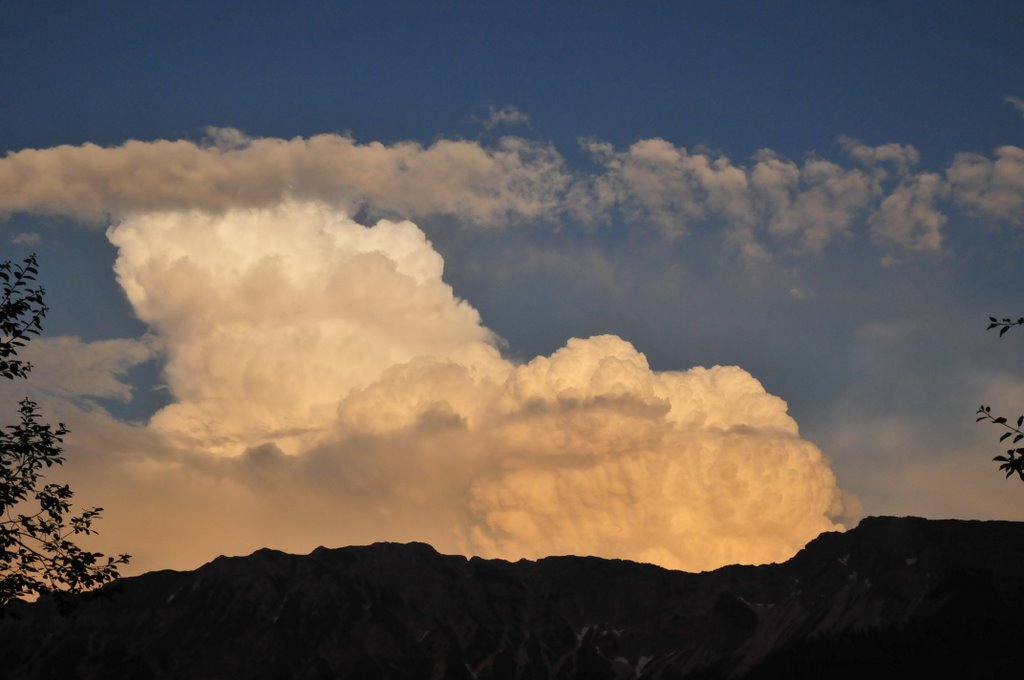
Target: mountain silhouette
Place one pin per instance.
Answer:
(899, 596)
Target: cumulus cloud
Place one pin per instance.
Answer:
(663, 185)
(909, 218)
(1016, 102)
(687, 469)
(329, 387)
(775, 203)
(283, 309)
(901, 157)
(822, 203)
(802, 206)
(992, 188)
(515, 179)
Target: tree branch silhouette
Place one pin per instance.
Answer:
(37, 525)
(1013, 461)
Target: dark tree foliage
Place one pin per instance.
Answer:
(1013, 461)
(37, 525)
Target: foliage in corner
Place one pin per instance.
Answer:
(1013, 461)
(1004, 324)
(37, 524)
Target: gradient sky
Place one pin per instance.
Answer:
(830, 197)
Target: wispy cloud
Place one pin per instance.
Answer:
(69, 367)
(506, 115)
(26, 239)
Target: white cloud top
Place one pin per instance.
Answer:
(271, 315)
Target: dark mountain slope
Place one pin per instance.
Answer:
(910, 595)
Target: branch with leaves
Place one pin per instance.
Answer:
(21, 314)
(1003, 324)
(38, 554)
(1013, 461)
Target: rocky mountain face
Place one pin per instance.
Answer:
(895, 596)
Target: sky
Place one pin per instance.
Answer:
(673, 283)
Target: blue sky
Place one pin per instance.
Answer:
(582, 169)
(738, 76)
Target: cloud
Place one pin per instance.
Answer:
(689, 469)
(516, 179)
(66, 367)
(991, 188)
(26, 239)
(1016, 102)
(815, 204)
(908, 217)
(777, 204)
(771, 205)
(901, 157)
(506, 115)
(329, 388)
(663, 185)
(283, 309)
(773, 202)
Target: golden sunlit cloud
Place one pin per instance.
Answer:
(271, 316)
(329, 387)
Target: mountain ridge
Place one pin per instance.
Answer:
(911, 593)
